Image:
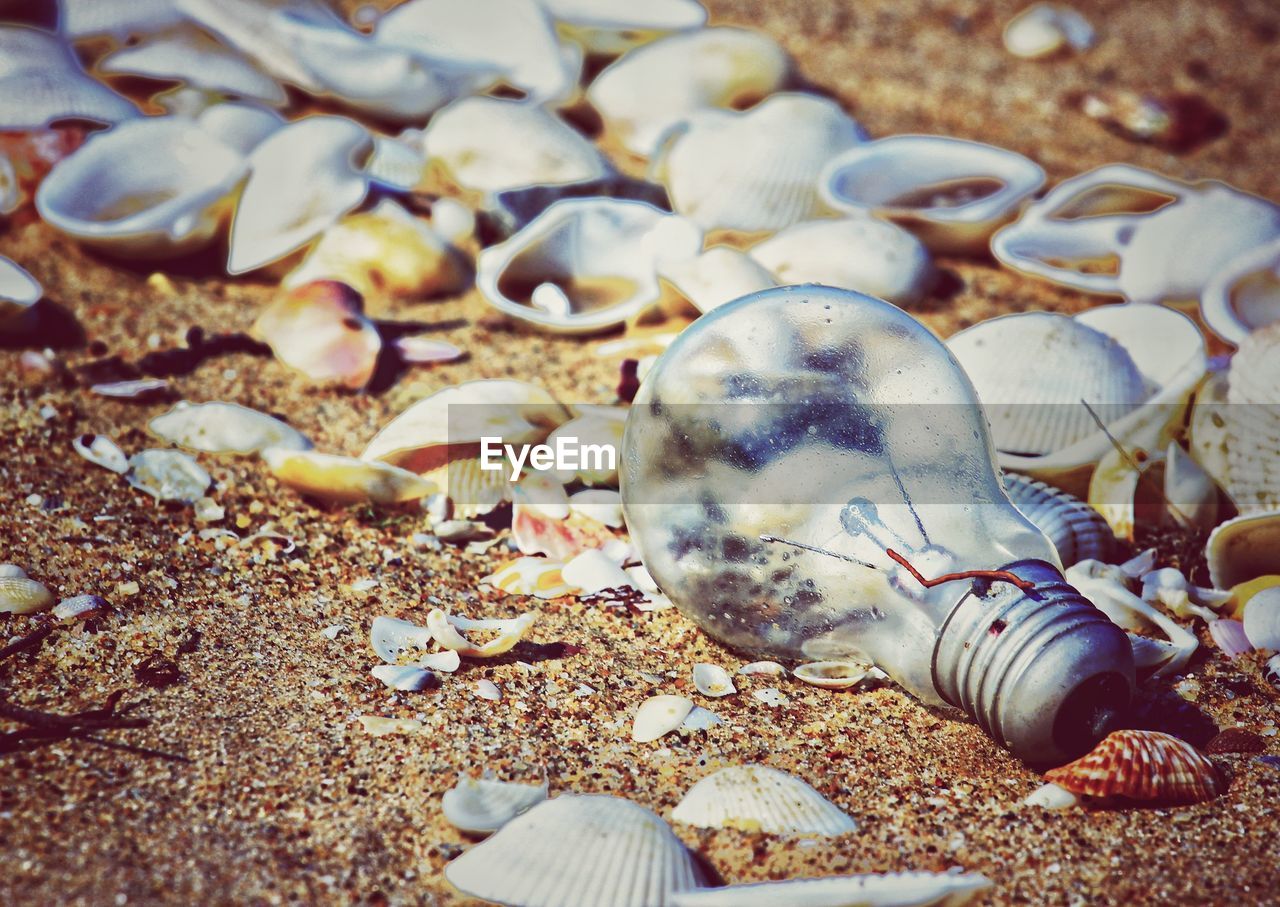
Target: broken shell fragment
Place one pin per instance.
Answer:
(537, 576)
(604, 505)
(447, 629)
(895, 889)
(1045, 28)
(391, 638)
(138, 391)
(767, 668)
(1262, 619)
(593, 571)
(487, 689)
(713, 680)
(19, 594)
(1141, 765)
(42, 82)
(1178, 122)
(1244, 548)
(405, 678)
(1051, 796)
(1077, 530)
(760, 798)
(420, 350)
(102, 451)
(168, 475)
(78, 607)
(833, 675)
(578, 849)
(19, 291)
(219, 427)
(320, 329)
(345, 480)
(659, 715)
(482, 806)
(613, 26)
(1244, 294)
(719, 275)
(1230, 637)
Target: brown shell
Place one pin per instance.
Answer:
(1141, 765)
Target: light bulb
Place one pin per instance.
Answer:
(799, 469)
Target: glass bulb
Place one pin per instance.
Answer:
(798, 461)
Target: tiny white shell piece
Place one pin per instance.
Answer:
(593, 571)
(219, 427)
(612, 26)
(487, 689)
(856, 253)
(447, 631)
(19, 594)
(760, 798)
(1043, 28)
(102, 451)
(18, 290)
(78, 606)
(898, 889)
(951, 193)
(833, 675)
(168, 475)
(346, 480)
(1262, 619)
(1050, 796)
(1244, 294)
(391, 637)
(42, 82)
(1230, 637)
(772, 697)
(659, 715)
(763, 667)
(482, 806)
(712, 680)
(700, 719)
(578, 849)
(454, 221)
(404, 677)
(421, 350)
(1170, 588)
(604, 505)
(719, 275)
(1244, 548)
(303, 178)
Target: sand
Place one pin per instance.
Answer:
(283, 797)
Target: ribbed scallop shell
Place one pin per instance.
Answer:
(1253, 422)
(896, 889)
(1141, 765)
(482, 806)
(575, 850)
(41, 82)
(19, 594)
(1077, 530)
(759, 798)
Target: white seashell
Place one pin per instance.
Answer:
(1244, 548)
(140, 389)
(862, 253)
(319, 329)
(1244, 293)
(756, 170)
(102, 451)
(1045, 28)
(219, 427)
(598, 260)
(897, 889)
(377, 726)
(150, 188)
(713, 680)
(949, 192)
(833, 675)
(303, 178)
(719, 275)
(1168, 587)
(19, 594)
(592, 571)
(760, 798)
(404, 677)
(604, 505)
(768, 668)
(772, 697)
(700, 719)
(1208, 434)
(78, 607)
(41, 82)
(345, 480)
(1170, 253)
(238, 125)
(1076, 529)
(655, 87)
(190, 56)
(492, 144)
(487, 689)
(10, 191)
(482, 806)
(1050, 796)
(207, 510)
(659, 715)
(168, 475)
(595, 428)
(1251, 421)
(118, 18)
(1190, 493)
(454, 221)
(1262, 619)
(613, 26)
(578, 849)
(391, 637)
(19, 291)
(447, 629)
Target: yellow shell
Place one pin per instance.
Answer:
(1141, 765)
(538, 576)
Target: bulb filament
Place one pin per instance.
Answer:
(1002, 576)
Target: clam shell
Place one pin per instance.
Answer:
(759, 798)
(345, 480)
(19, 594)
(864, 254)
(1244, 548)
(719, 275)
(102, 451)
(303, 178)
(713, 680)
(614, 26)
(1044, 28)
(404, 677)
(655, 87)
(1076, 529)
(150, 188)
(756, 170)
(319, 329)
(168, 475)
(42, 82)
(949, 192)
(578, 849)
(1262, 619)
(219, 427)
(492, 145)
(897, 889)
(768, 668)
(833, 675)
(659, 715)
(482, 806)
(1244, 294)
(1252, 422)
(19, 291)
(1141, 765)
(585, 265)
(118, 18)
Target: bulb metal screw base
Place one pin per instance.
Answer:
(1044, 672)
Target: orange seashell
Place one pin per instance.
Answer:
(1141, 765)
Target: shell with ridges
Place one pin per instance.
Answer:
(896, 889)
(1076, 529)
(19, 594)
(1141, 765)
(1252, 422)
(42, 82)
(759, 798)
(480, 806)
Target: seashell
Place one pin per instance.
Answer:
(1106, 216)
(140, 390)
(168, 475)
(1170, 588)
(1272, 671)
(452, 220)
(319, 329)
(345, 480)
(537, 576)
(1230, 637)
(700, 719)
(1076, 529)
(150, 188)
(833, 675)
(951, 193)
(102, 451)
(760, 798)
(78, 607)
(578, 849)
(560, 539)
(377, 726)
(492, 144)
(1262, 619)
(1045, 28)
(447, 629)
(659, 715)
(1251, 423)
(613, 26)
(864, 254)
(19, 291)
(399, 164)
(117, 18)
(655, 87)
(418, 349)
(719, 275)
(1178, 122)
(10, 191)
(207, 510)
(712, 680)
(512, 41)
(768, 668)
(19, 594)
(895, 889)
(404, 677)
(188, 55)
(756, 170)
(304, 177)
(1243, 295)
(604, 505)
(382, 253)
(487, 689)
(1050, 796)
(482, 806)
(219, 427)
(392, 637)
(42, 82)
(239, 125)
(1141, 765)
(592, 572)
(585, 265)
(511, 211)
(1244, 548)
(595, 428)
(1191, 494)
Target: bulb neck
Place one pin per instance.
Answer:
(1044, 672)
